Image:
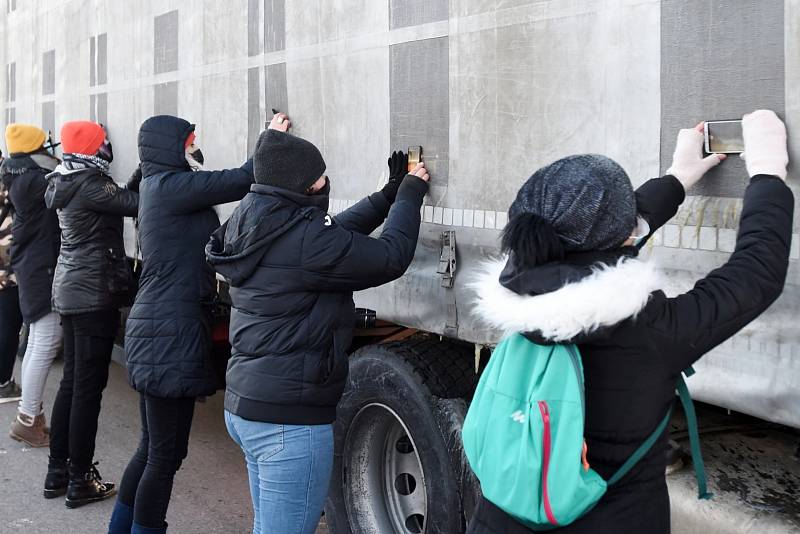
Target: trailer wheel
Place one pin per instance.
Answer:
(398, 465)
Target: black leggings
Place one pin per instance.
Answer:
(10, 323)
(88, 342)
(147, 483)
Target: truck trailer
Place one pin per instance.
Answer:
(492, 90)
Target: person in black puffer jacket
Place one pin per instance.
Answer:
(292, 270)
(168, 331)
(92, 281)
(34, 250)
(10, 316)
(572, 277)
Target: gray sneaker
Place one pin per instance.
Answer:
(10, 392)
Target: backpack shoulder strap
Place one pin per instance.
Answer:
(694, 436)
(643, 449)
(694, 440)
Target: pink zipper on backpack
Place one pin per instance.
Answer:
(546, 461)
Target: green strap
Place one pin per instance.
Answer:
(642, 450)
(694, 440)
(694, 437)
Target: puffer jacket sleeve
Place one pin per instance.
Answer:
(188, 191)
(366, 215)
(338, 259)
(105, 196)
(658, 200)
(731, 296)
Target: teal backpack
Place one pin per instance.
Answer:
(523, 435)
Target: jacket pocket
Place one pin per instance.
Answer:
(117, 273)
(327, 365)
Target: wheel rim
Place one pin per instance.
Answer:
(384, 485)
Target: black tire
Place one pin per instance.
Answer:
(403, 396)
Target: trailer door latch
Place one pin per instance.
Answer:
(447, 258)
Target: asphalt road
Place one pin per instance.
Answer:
(210, 495)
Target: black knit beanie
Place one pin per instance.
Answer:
(287, 162)
(587, 199)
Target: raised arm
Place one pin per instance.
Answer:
(752, 279)
(658, 200)
(105, 196)
(192, 191)
(337, 259)
(369, 213)
(366, 215)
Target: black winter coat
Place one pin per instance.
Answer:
(92, 273)
(632, 362)
(35, 232)
(293, 269)
(168, 332)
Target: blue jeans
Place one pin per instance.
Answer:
(290, 470)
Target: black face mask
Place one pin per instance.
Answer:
(198, 156)
(325, 191)
(106, 151)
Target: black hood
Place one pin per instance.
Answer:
(162, 144)
(550, 277)
(265, 214)
(62, 185)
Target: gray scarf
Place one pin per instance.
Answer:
(45, 161)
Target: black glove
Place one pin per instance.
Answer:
(398, 168)
(135, 180)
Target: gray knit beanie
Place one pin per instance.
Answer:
(588, 199)
(287, 162)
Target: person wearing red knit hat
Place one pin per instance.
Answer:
(92, 281)
(82, 137)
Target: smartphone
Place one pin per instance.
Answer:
(414, 157)
(724, 137)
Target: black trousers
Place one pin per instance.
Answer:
(147, 483)
(10, 324)
(88, 342)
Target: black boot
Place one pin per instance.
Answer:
(57, 479)
(87, 486)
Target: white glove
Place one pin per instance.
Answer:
(688, 163)
(764, 144)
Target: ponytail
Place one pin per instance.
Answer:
(532, 240)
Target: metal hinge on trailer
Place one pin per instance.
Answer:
(447, 258)
(447, 269)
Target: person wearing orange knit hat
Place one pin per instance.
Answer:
(92, 281)
(24, 139)
(36, 239)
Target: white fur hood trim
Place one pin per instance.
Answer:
(605, 298)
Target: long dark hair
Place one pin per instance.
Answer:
(531, 241)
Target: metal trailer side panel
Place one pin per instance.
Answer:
(492, 90)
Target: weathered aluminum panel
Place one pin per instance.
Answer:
(518, 84)
(718, 60)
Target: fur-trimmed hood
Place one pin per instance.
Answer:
(605, 295)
